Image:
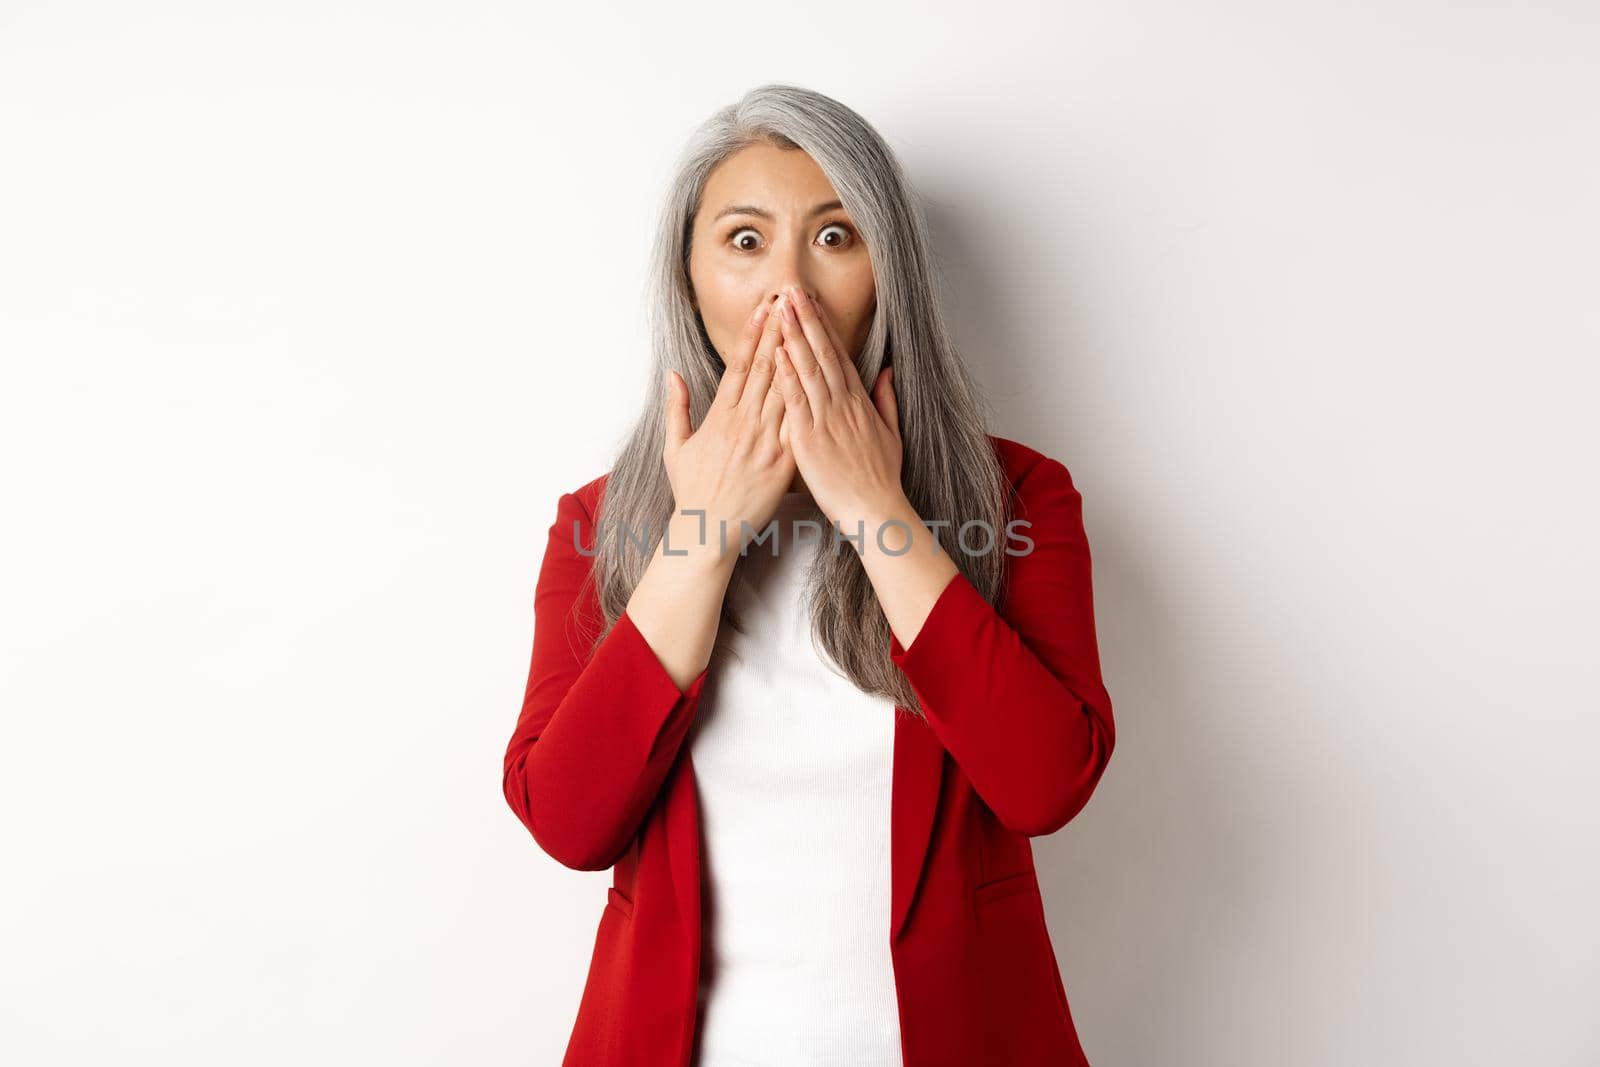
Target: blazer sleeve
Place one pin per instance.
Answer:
(596, 735)
(1016, 695)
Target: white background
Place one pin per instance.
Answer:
(310, 311)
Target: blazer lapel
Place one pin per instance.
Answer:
(918, 773)
(683, 848)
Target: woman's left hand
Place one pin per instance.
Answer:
(846, 442)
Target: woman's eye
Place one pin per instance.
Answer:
(748, 244)
(848, 233)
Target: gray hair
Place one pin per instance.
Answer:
(950, 470)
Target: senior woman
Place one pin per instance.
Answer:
(814, 659)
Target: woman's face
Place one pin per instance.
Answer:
(769, 218)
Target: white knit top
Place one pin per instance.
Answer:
(793, 764)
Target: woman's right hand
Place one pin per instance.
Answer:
(733, 466)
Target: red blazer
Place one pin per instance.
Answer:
(1017, 733)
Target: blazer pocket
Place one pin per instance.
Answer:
(1004, 886)
(616, 899)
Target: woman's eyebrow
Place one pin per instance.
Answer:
(763, 213)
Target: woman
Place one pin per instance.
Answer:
(818, 815)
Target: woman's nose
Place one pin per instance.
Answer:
(784, 289)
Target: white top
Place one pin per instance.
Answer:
(793, 764)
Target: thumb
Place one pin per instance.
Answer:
(677, 411)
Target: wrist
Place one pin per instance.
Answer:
(886, 526)
(889, 508)
(699, 541)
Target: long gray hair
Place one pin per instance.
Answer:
(949, 468)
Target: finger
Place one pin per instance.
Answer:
(884, 399)
(773, 404)
(763, 367)
(808, 373)
(808, 342)
(677, 411)
(796, 401)
(828, 339)
(762, 361)
(731, 387)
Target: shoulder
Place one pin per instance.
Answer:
(1030, 471)
(587, 496)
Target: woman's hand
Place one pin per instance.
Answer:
(846, 443)
(733, 466)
